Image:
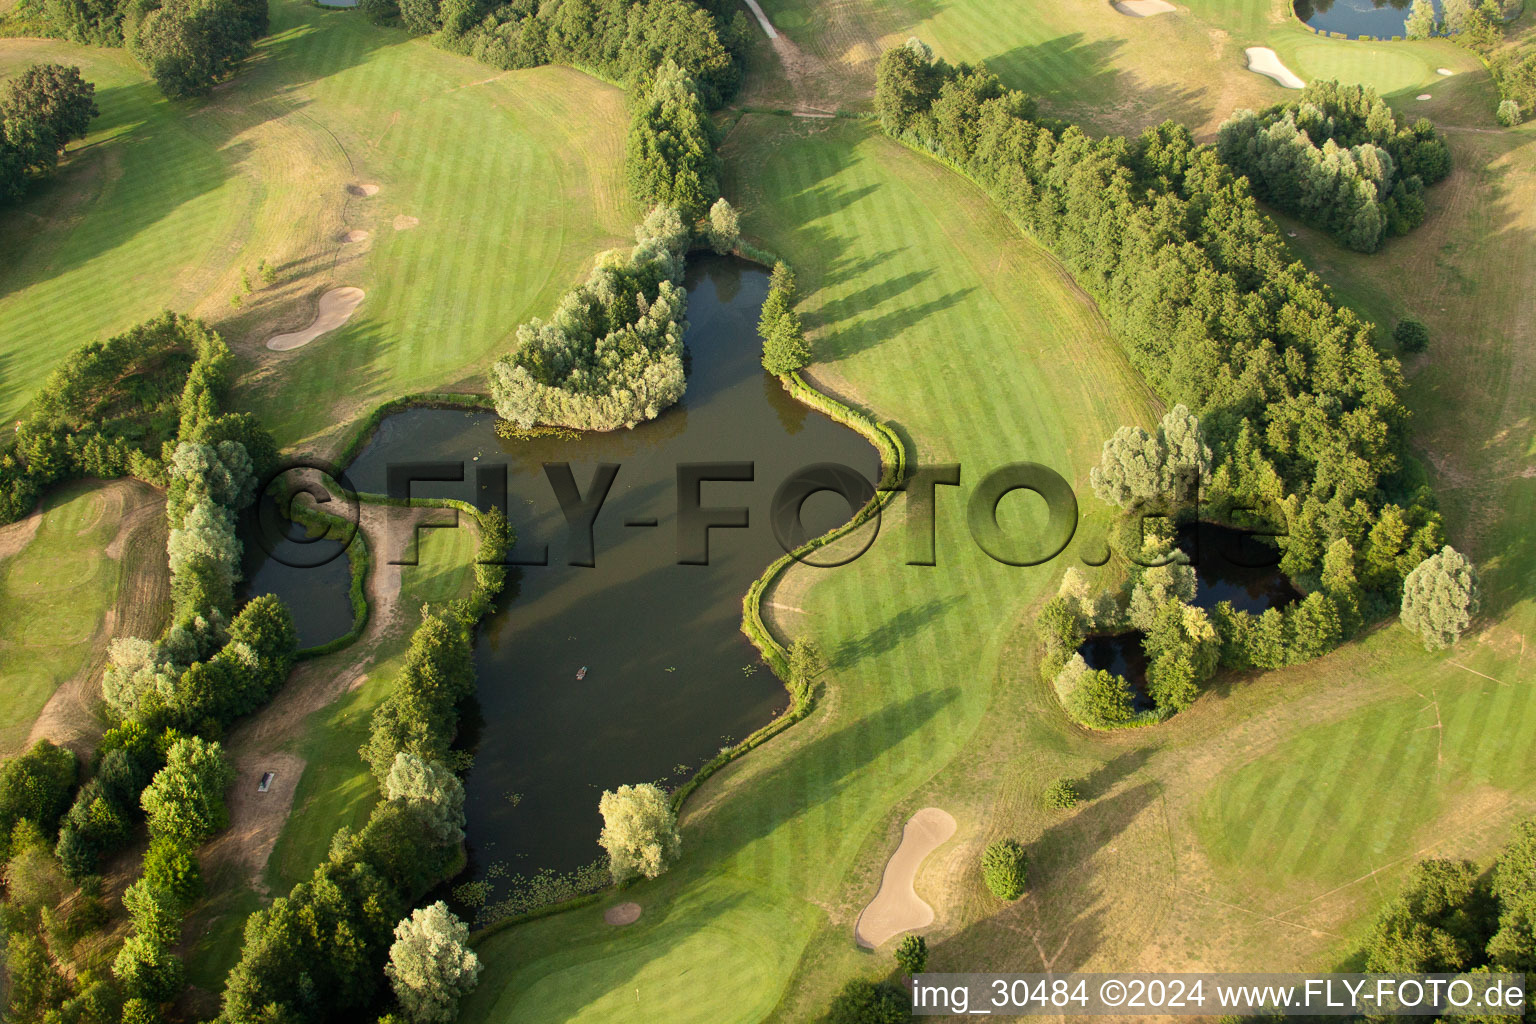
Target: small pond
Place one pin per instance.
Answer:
(1121, 655)
(313, 577)
(1380, 19)
(669, 676)
(1230, 565)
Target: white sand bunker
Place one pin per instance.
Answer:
(1447, 72)
(336, 306)
(1143, 8)
(365, 189)
(1423, 96)
(897, 908)
(404, 223)
(354, 236)
(1263, 60)
(622, 914)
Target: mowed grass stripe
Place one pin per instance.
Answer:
(898, 312)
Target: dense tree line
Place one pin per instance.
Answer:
(42, 110)
(669, 157)
(625, 41)
(612, 355)
(1452, 917)
(1340, 159)
(185, 45)
(785, 349)
(1299, 413)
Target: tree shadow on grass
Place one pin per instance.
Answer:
(884, 638)
(818, 772)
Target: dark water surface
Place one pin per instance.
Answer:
(317, 594)
(1380, 19)
(1230, 565)
(670, 678)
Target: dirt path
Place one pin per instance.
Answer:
(69, 718)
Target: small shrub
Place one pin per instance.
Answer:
(912, 955)
(1004, 867)
(1411, 335)
(1509, 113)
(1061, 795)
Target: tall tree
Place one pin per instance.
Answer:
(639, 831)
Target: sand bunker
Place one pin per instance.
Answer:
(404, 223)
(1447, 72)
(1264, 61)
(1143, 8)
(354, 236)
(1423, 96)
(622, 914)
(897, 908)
(336, 306)
(365, 189)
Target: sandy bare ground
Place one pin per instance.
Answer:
(622, 914)
(69, 718)
(1264, 61)
(336, 308)
(356, 235)
(1143, 8)
(364, 189)
(897, 907)
(405, 222)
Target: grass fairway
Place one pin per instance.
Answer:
(513, 179)
(68, 577)
(1260, 829)
(915, 291)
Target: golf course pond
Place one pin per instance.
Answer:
(1379, 19)
(669, 678)
(1230, 565)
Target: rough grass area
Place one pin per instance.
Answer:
(514, 179)
(89, 563)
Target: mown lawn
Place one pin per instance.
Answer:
(513, 179)
(915, 292)
(1259, 830)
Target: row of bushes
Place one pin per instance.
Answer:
(185, 45)
(318, 954)
(1338, 158)
(622, 41)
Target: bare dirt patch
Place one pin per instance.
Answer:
(69, 718)
(405, 223)
(336, 308)
(256, 819)
(355, 235)
(364, 189)
(622, 914)
(897, 907)
(15, 537)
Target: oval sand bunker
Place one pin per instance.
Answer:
(336, 306)
(354, 236)
(897, 907)
(1143, 8)
(366, 189)
(1264, 61)
(622, 914)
